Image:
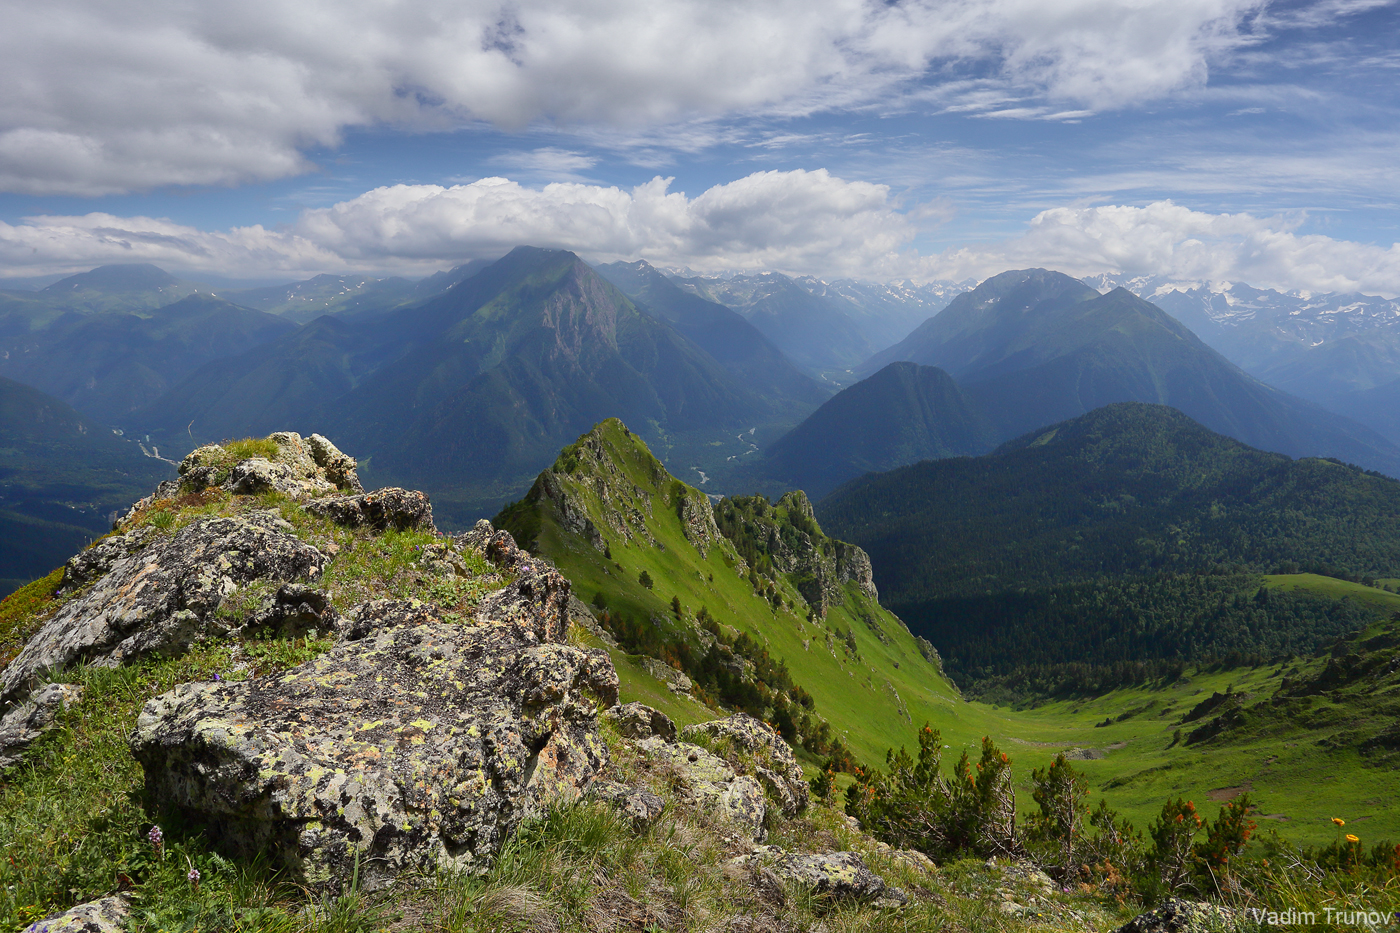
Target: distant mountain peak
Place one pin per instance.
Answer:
(122, 277)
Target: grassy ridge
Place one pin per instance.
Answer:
(877, 700)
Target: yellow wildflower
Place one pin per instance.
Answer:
(1351, 838)
(1339, 821)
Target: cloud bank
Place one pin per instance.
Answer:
(103, 97)
(798, 222)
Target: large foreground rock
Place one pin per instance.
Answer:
(419, 745)
(156, 595)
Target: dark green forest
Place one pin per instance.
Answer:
(1115, 545)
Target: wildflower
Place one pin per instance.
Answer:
(1351, 838)
(1339, 821)
(194, 878)
(157, 840)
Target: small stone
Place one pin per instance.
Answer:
(1177, 915)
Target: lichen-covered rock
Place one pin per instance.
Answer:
(391, 507)
(840, 876)
(420, 745)
(638, 804)
(108, 915)
(1175, 915)
(708, 782)
(24, 724)
(296, 609)
(639, 721)
(339, 468)
(162, 596)
(538, 598)
(774, 763)
(301, 468)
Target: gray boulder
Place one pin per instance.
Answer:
(639, 721)
(773, 761)
(706, 781)
(300, 468)
(420, 745)
(638, 804)
(381, 510)
(840, 876)
(22, 725)
(108, 915)
(161, 595)
(1175, 915)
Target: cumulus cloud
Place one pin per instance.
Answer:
(798, 222)
(104, 97)
(44, 245)
(1167, 239)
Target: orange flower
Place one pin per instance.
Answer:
(1339, 821)
(1351, 838)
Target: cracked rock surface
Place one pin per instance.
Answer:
(421, 744)
(775, 765)
(155, 595)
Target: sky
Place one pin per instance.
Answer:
(1201, 140)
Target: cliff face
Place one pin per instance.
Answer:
(784, 537)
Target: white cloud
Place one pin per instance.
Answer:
(799, 222)
(103, 97)
(43, 245)
(1167, 239)
(795, 221)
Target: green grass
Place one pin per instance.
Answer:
(1338, 589)
(877, 698)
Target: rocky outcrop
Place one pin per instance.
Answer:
(302, 468)
(697, 520)
(640, 806)
(639, 721)
(707, 782)
(108, 915)
(23, 725)
(834, 876)
(768, 757)
(1175, 915)
(788, 534)
(154, 595)
(418, 745)
(391, 507)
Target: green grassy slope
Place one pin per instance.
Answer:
(873, 698)
(606, 495)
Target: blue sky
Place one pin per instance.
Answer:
(1198, 139)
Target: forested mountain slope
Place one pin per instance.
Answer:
(1129, 533)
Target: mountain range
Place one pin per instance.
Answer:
(1031, 347)
(1330, 348)
(470, 391)
(1128, 534)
